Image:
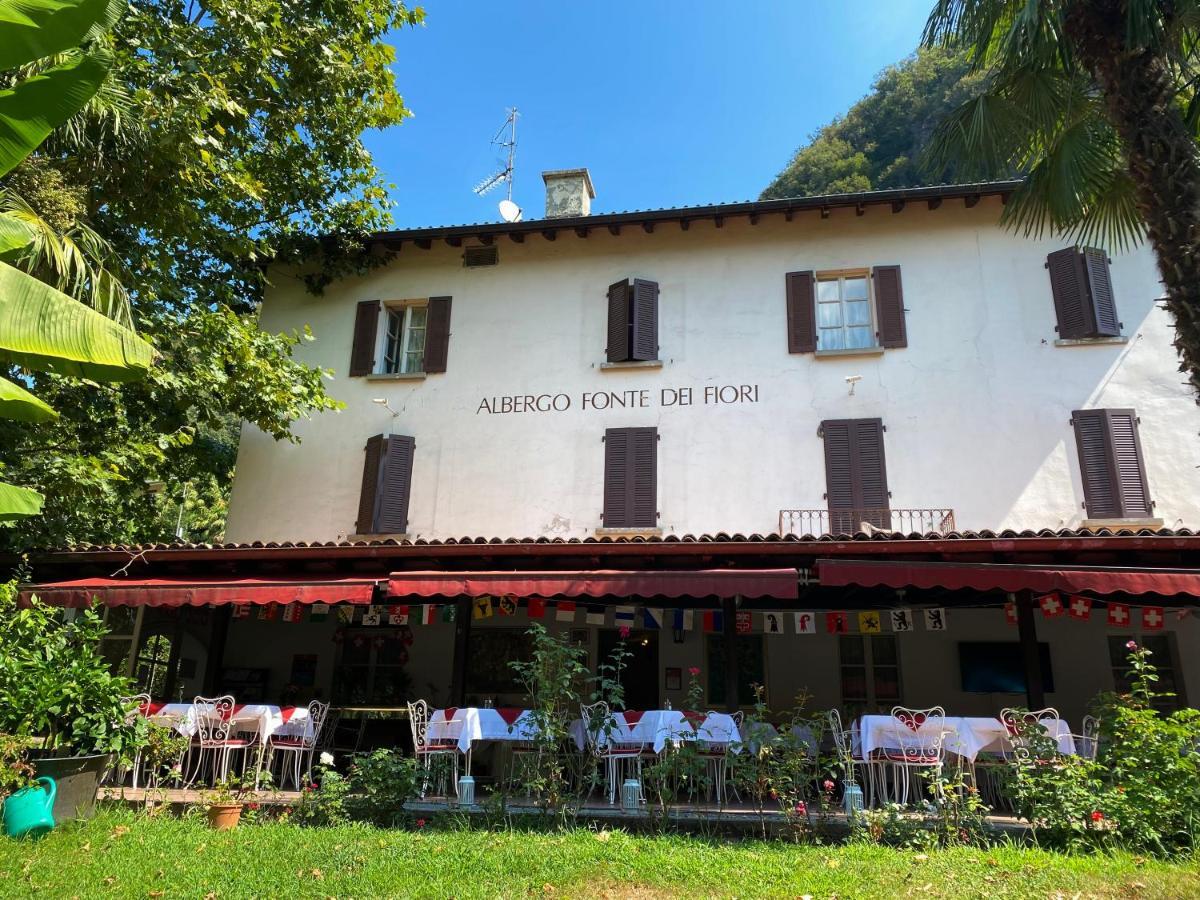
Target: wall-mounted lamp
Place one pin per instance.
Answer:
(853, 380)
(382, 401)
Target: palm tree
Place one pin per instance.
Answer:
(1095, 103)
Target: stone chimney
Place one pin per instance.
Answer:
(569, 193)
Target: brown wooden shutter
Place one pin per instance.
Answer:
(362, 350)
(373, 458)
(630, 478)
(437, 334)
(644, 315)
(1110, 464)
(395, 485)
(855, 474)
(618, 322)
(801, 312)
(889, 307)
(1083, 297)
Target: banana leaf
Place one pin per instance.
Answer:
(32, 108)
(18, 404)
(33, 29)
(18, 503)
(45, 330)
(14, 234)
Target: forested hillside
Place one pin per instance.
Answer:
(878, 143)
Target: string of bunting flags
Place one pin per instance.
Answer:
(1079, 607)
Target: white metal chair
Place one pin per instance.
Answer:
(714, 746)
(216, 739)
(427, 750)
(1087, 742)
(135, 705)
(919, 735)
(619, 756)
(300, 742)
(849, 756)
(1018, 721)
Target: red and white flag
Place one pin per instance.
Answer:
(292, 613)
(428, 613)
(268, 612)
(1010, 613)
(564, 611)
(1118, 615)
(744, 622)
(397, 615)
(1080, 607)
(806, 622)
(1052, 605)
(1153, 618)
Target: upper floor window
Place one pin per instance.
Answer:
(632, 321)
(1083, 294)
(404, 339)
(848, 309)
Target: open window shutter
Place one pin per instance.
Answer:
(801, 312)
(437, 334)
(870, 471)
(855, 473)
(616, 477)
(618, 322)
(1068, 283)
(370, 485)
(644, 343)
(889, 307)
(643, 501)
(1127, 459)
(1101, 497)
(1103, 306)
(395, 485)
(362, 350)
(839, 476)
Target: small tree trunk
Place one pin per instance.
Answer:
(1140, 95)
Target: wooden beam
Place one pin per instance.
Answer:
(719, 221)
(393, 246)
(824, 212)
(685, 224)
(462, 639)
(549, 233)
(454, 241)
(423, 243)
(897, 205)
(860, 208)
(218, 636)
(614, 230)
(1035, 694)
(935, 202)
(583, 231)
(971, 201)
(485, 239)
(518, 237)
(789, 214)
(648, 227)
(729, 640)
(753, 218)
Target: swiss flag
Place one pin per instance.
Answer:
(1118, 615)
(837, 622)
(1052, 605)
(1152, 618)
(1080, 607)
(1010, 613)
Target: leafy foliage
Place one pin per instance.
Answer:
(879, 143)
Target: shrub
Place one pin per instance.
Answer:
(380, 784)
(322, 802)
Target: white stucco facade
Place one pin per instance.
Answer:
(976, 407)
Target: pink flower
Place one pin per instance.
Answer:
(801, 809)
(1132, 645)
(1097, 816)
(694, 671)
(623, 631)
(420, 823)
(827, 784)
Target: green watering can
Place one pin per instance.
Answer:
(30, 810)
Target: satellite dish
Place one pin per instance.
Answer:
(509, 211)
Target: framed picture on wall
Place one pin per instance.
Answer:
(674, 678)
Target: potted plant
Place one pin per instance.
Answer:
(58, 693)
(224, 803)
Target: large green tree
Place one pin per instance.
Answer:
(1095, 102)
(232, 135)
(880, 141)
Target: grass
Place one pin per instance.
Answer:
(119, 854)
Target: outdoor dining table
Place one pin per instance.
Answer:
(466, 725)
(264, 719)
(655, 728)
(965, 736)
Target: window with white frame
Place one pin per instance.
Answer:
(844, 316)
(404, 338)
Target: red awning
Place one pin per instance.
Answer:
(199, 592)
(782, 584)
(991, 577)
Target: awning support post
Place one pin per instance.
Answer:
(462, 635)
(1035, 694)
(729, 635)
(218, 638)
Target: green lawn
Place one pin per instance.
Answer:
(120, 855)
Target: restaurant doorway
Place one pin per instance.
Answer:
(639, 676)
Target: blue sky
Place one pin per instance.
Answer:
(667, 102)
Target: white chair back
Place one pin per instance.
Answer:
(596, 718)
(213, 718)
(137, 705)
(317, 711)
(418, 721)
(843, 741)
(920, 734)
(1016, 721)
(1088, 741)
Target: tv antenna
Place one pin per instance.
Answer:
(506, 137)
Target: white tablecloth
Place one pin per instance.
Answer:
(466, 725)
(967, 736)
(262, 718)
(652, 728)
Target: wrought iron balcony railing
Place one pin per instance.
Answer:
(851, 521)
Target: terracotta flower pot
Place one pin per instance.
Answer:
(224, 816)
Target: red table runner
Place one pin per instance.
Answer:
(632, 717)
